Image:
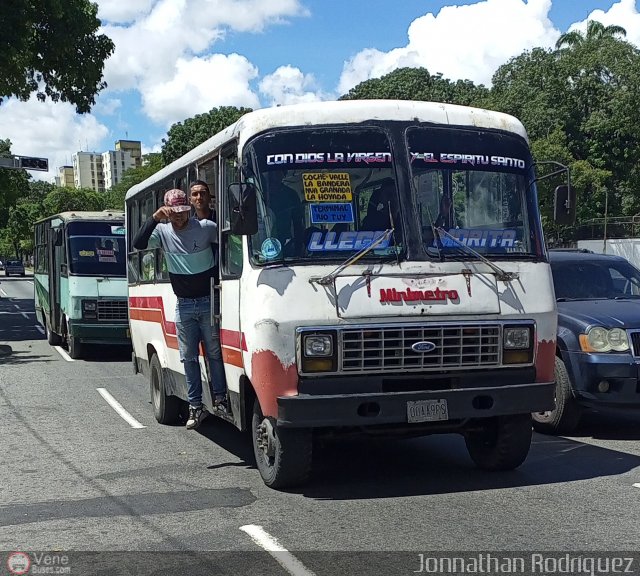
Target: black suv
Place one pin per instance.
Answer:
(598, 346)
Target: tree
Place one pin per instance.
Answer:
(596, 32)
(418, 84)
(184, 136)
(66, 199)
(19, 228)
(13, 183)
(52, 47)
(151, 163)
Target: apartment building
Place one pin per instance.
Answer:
(134, 147)
(65, 177)
(114, 164)
(87, 171)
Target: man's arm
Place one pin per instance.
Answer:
(146, 234)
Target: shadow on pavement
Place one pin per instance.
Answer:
(17, 320)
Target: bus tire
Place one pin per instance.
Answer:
(75, 347)
(166, 409)
(564, 418)
(502, 444)
(53, 338)
(283, 455)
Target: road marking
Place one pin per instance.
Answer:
(25, 315)
(63, 353)
(30, 281)
(39, 328)
(3, 293)
(287, 560)
(636, 485)
(119, 409)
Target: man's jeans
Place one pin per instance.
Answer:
(193, 325)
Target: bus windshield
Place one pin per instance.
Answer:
(323, 194)
(471, 189)
(97, 255)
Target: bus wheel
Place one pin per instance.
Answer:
(503, 444)
(53, 338)
(283, 455)
(166, 409)
(564, 418)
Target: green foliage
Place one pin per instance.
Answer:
(66, 199)
(151, 163)
(184, 136)
(19, 228)
(418, 84)
(52, 47)
(13, 184)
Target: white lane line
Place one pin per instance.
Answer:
(4, 293)
(63, 353)
(287, 560)
(119, 409)
(25, 315)
(30, 281)
(636, 485)
(39, 328)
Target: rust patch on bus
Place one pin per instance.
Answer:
(545, 361)
(271, 379)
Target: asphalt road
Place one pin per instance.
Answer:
(75, 476)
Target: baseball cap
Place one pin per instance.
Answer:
(177, 200)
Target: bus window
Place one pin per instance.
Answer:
(148, 267)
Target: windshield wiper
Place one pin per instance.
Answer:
(327, 279)
(501, 274)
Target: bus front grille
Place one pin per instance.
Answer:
(112, 310)
(382, 349)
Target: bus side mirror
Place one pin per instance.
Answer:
(243, 209)
(564, 205)
(57, 237)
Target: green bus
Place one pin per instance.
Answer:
(80, 279)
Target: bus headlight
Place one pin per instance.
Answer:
(599, 339)
(89, 309)
(517, 345)
(318, 345)
(319, 352)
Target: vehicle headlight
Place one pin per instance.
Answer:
(618, 340)
(517, 338)
(89, 305)
(318, 351)
(599, 339)
(318, 345)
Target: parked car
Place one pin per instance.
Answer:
(14, 267)
(1, 265)
(598, 345)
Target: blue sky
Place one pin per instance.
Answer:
(178, 58)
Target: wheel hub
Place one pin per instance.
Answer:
(265, 438)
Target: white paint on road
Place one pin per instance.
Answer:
(63, 353)
(39, 328)
(287, 560)
(636, 485)
(3, 293)
(119, 409)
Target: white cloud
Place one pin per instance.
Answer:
(174, 39)
(119, 11)
(198, 85)
(107, 106)
(288, 85)
(461, 42)
(49, 130)
(622, 13)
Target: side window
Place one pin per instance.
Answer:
(149, 266)
(208, 171)
(229, 176)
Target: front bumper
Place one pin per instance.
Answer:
(621, 371)
(100, 333)
(339, 410)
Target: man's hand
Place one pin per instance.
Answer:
(162, 213)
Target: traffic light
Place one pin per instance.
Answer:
(29, 163)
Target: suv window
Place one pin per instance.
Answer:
(590, 279)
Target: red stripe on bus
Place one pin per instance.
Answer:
(233, 338)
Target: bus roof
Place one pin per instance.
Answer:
(104, 216)
(340, 112)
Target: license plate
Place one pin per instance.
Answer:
(427, 411)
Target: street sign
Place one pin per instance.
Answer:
(31, 163)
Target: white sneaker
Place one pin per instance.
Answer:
(196, 416)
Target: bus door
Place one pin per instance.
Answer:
(231, 335)
(56, 249)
